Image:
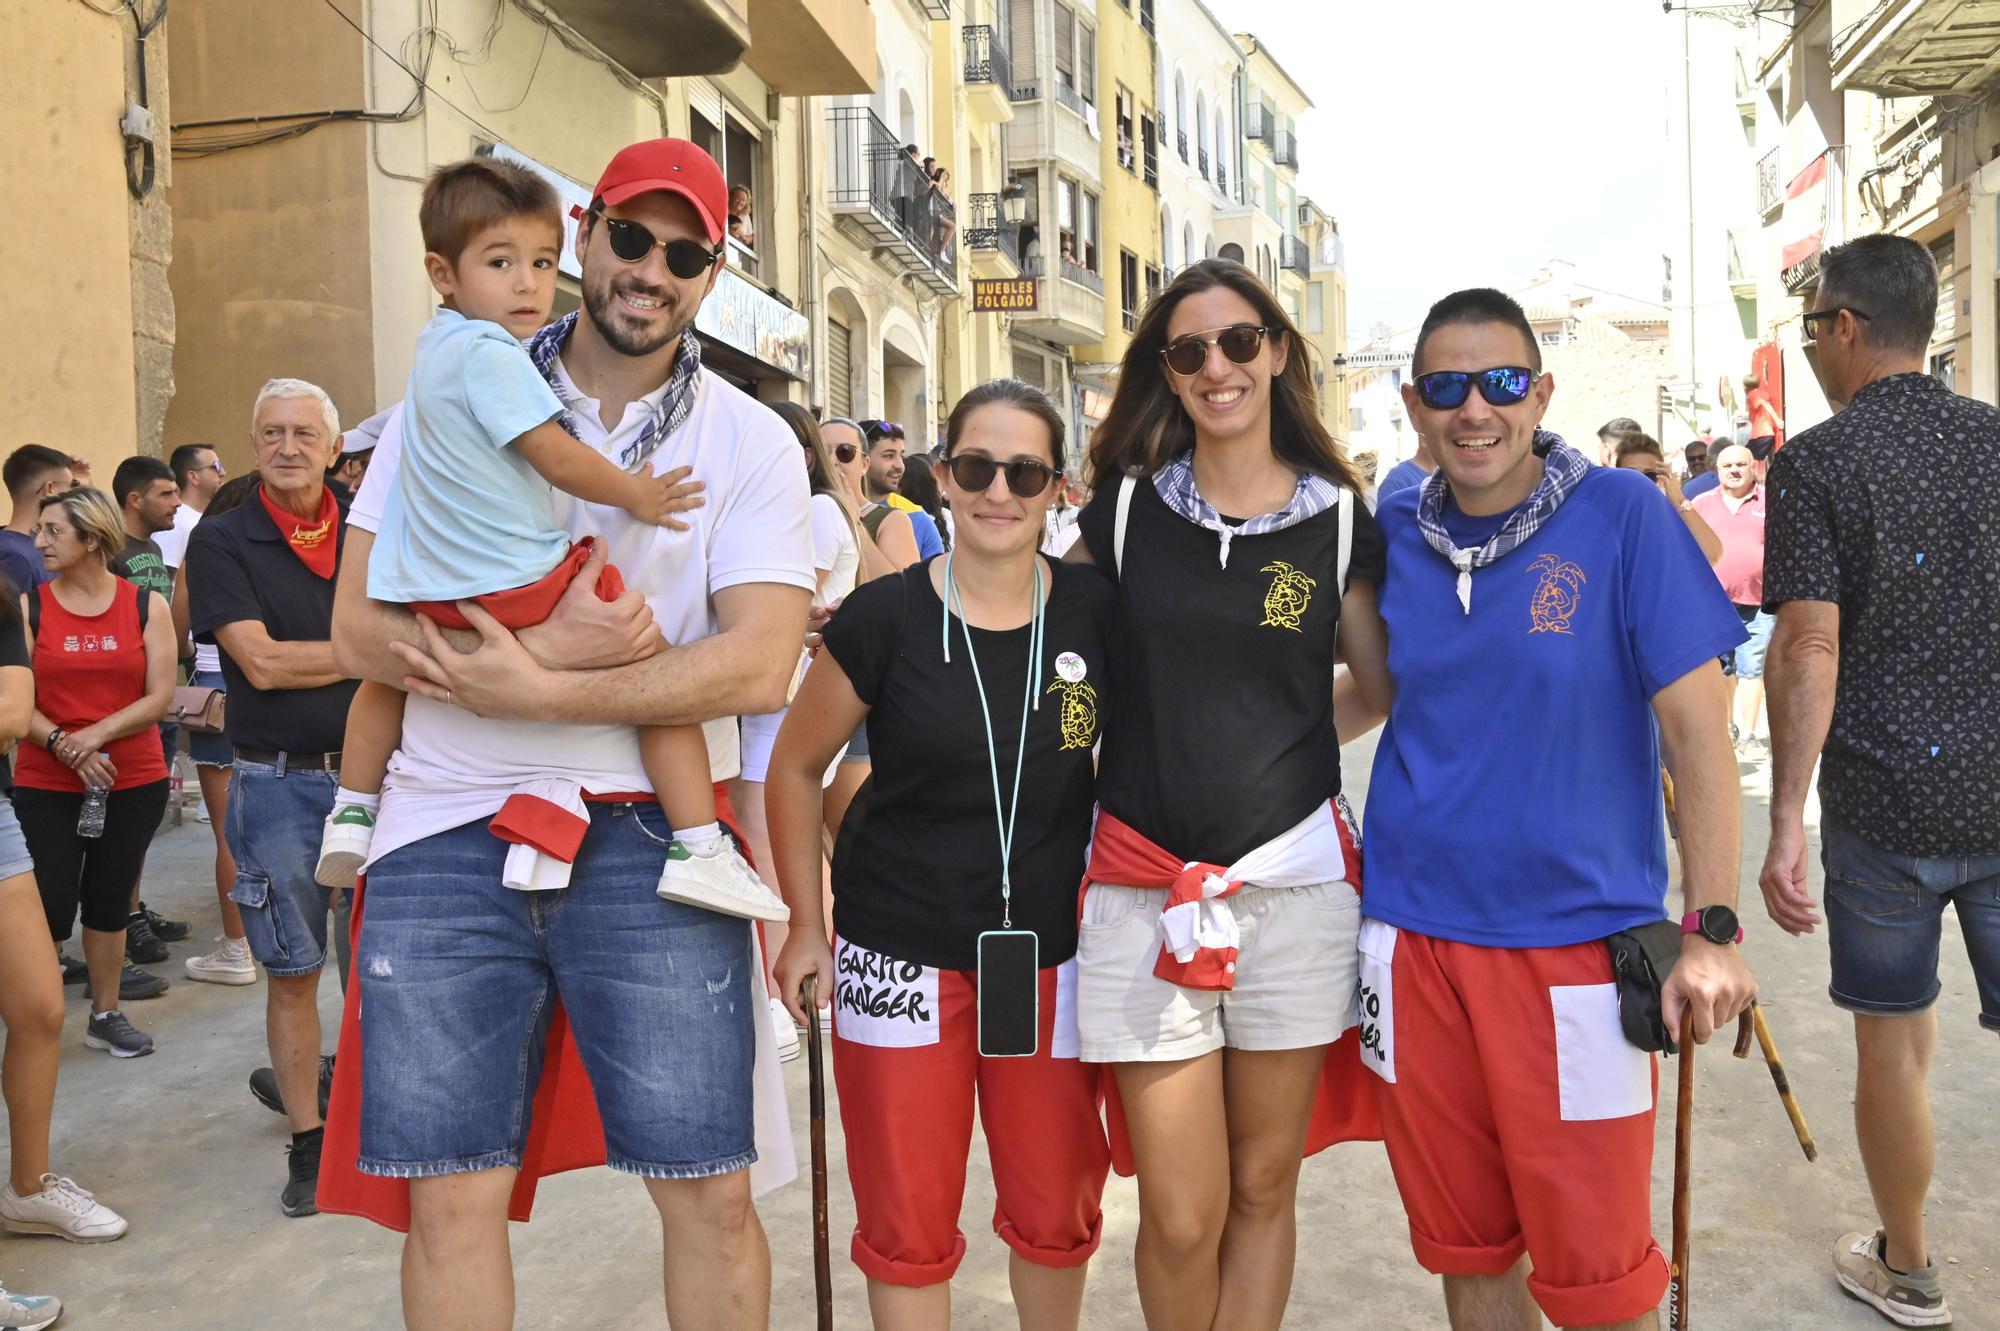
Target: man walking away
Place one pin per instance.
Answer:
(1880, 669)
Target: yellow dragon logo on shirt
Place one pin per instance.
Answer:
(1079, 713)
(1291, 593)
(1556, 595)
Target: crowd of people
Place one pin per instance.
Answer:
(613, 693)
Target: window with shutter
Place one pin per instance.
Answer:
(839, 369)
(1086, 43)
(1021, 28)
(1065, 44)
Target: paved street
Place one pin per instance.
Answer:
(175, 1143)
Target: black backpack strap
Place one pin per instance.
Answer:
(145, 606)
(35, 610)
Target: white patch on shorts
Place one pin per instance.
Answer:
(883, 1002)
(1065, 1043)
(1599, 1073)
(1375, 999)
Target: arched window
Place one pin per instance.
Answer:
(1222, 143)
(1180, 114)
(1188, 252)
(1232, 251)
(1201, 128)
(1166, 238)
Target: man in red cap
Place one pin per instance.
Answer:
(662, 1002)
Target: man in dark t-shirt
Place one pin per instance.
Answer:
(1883, 534)
(32, 473)
(147, 499)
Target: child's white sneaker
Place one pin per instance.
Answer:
(722, 882)
(343, 846)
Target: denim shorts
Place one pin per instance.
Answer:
(14, 857)
(1749, 660)
(209, 748)
(458, 976)
(276, 820)
(1885, 920)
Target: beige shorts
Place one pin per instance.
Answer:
(1296, 966)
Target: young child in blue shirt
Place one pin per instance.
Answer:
(471, 515)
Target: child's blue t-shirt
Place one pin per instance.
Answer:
(468, 515)
(1515, 798)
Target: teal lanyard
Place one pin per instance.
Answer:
(1007, 818)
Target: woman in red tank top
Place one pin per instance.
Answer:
(103, 656)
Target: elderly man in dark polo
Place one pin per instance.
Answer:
(260, 582)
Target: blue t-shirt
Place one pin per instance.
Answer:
(1401, 477)
(468, 515)
(1515, 799)
(1701, 484)
(20, 561)
(928, 541)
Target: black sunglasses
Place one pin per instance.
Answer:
(632, 243)
(1503, 386)
(1240, 342)
(974, 472)
(845, 452)
(1809, 321)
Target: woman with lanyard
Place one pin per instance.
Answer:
(1231, 521)
(954, 881)
(90, 785)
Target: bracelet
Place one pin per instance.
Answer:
(55, 733)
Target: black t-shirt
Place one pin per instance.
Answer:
(239, 567)
(1220, 731)
(13, 652)
(916, 871)
(142, 564)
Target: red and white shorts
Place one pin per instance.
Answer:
(906, 1063)
(1517, 1117)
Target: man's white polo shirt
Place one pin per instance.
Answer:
(756, 527)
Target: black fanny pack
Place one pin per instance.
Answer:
(1641, 959)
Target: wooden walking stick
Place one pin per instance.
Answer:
(1678, 1284)
(1753, 1020)
(816, 1100)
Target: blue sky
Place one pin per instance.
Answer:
(1465, 143)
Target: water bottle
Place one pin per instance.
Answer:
(90, 821)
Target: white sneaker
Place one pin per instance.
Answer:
(201, 811)
(722, 882)
(786, 1030)
(62, 1209)
(343, 846)
(228, 964)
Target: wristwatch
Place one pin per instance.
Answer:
(1715, 923)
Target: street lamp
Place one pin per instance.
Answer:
(1014, 203)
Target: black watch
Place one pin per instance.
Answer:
(1717, 924)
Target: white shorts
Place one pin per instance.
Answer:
(1296, 967)
(760, 733)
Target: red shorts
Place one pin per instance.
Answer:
(523, 607)
(906, 1064)
(1517, 1117)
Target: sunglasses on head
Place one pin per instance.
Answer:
(632, 243)
(1503, 386)
(974, 472)
(1240, 342)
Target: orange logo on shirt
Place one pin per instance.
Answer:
(309, 538)
(1556, 595)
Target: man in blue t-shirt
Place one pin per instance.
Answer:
(1542, 613)
(32, 473)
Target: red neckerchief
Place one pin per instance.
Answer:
(315, 542)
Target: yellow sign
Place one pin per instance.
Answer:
(1011, 294)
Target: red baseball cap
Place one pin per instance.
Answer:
(670, 166)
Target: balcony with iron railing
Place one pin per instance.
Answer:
(989, 79)
(987, 233)
(1259, 122)
(1293, 254)
(1221, 178)
(1201, 157)
(1285, 148)
(1180, 140)
(883, 199)
(1770, 189)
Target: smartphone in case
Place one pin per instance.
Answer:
(1009, 993)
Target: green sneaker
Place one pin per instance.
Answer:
(343, 846)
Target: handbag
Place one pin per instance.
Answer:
(1641, 960)
(197, 709)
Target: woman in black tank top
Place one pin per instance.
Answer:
(1231, 541)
